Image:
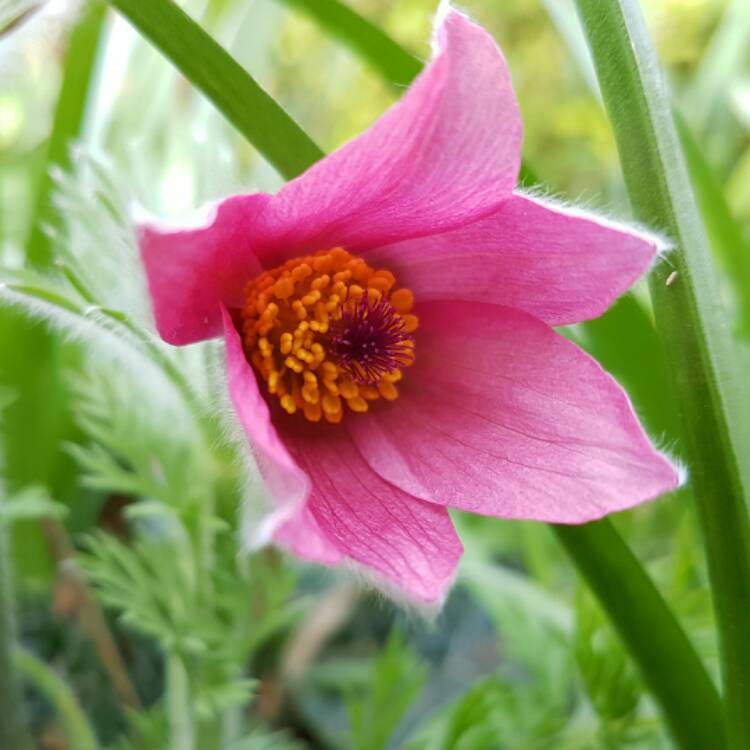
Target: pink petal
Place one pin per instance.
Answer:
(404, 542)
(502, 416)
(560, 265)
(287, 484)
(330, 505)
(302, 536)
(447, 153)
(192, 272)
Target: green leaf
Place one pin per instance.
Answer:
(497, 713)
(396, 680)
(662, 651)
(29, 504)
(706, 364)
(608, 675)
(219, 76)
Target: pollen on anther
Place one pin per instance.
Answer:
(329, 334)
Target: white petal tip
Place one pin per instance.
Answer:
(444, 7)
(682, 473)
(198, 219)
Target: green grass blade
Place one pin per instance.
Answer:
(706, 363)
(72, 718)
(670, 666)
(68, 119)
(398, 66)
(209, 67)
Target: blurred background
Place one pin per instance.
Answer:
(142, 623)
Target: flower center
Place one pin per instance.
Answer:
(326, 331)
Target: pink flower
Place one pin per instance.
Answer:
(388, 325)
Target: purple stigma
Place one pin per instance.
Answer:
(370, 341)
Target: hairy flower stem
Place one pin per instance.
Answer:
(13, 733)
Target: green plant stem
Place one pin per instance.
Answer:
(13, 733)
(74, 722)
(209, 67)
(706, 364)
(672, 670)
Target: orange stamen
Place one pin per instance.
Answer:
(292, 332)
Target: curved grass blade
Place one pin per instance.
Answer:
(210, 68)
(676, 650)
(705, 362)
(74, 721)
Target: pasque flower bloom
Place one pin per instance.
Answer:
(388, 325)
